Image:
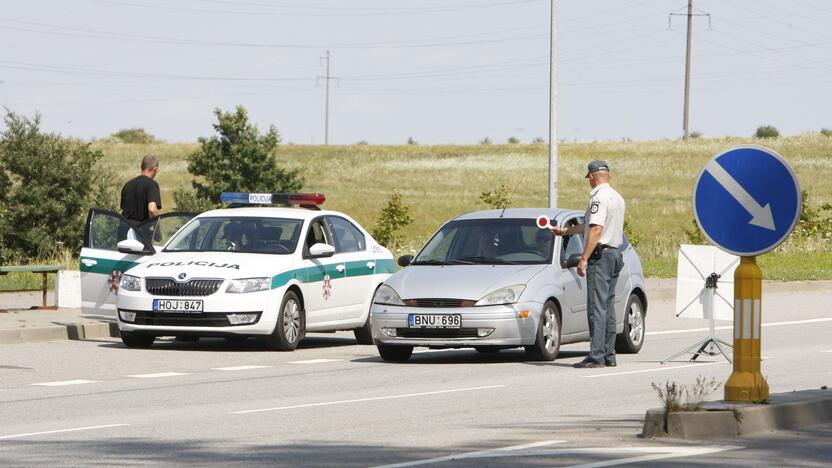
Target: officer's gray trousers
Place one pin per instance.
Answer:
(601, 278)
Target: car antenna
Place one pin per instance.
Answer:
(511, 196)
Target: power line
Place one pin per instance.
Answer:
(686, 112)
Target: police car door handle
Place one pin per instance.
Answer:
(89, 262)
(340, 268)
(371, 265)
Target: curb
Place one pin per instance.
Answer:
(62, 332)
(725, 420)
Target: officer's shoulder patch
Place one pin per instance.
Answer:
(593, 207)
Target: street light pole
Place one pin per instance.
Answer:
(553, 108)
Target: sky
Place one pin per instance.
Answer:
(439, 71)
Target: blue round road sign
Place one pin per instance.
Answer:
(747, 200)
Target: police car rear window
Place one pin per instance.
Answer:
(238, 234)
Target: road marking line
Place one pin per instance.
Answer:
(17, 436)
(657, 369)
(314, 361)
(730, 327)
(236, 368)
(827, 351)
(361, 400)
(478, 454)
(160, 374)
(64, 382)
(666, 453)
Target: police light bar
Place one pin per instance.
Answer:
(291, 199)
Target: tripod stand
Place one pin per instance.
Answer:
(707, 345)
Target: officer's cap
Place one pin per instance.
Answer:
(596, 166)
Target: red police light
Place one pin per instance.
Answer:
(307, 199)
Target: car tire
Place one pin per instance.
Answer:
(631, 339)
(291, 322)
(547, 341)
(364, 334)
(394, 353)
(137, 340)
(488, 349)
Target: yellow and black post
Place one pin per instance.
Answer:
(747, 382)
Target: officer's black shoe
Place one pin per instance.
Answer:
(610, 362)
(587, 364)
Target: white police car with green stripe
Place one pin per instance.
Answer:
(271, 272)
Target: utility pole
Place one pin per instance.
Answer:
(686, 112)
(326, 78)
(553, 107)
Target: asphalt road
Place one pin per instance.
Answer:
(334, 403)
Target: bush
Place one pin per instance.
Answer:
(767, 131)
(134, 135)
(827, 132)
(632, 237)
(814, 222)
(48, 183)
(498, 198)
(695, 134)
(237, 159)
(411, 141)
(538, 141)
(695, 235)
(188, 201)
(392, 218)
(513, 141)
(485, 141)
(363, 143)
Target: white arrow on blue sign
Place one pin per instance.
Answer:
(747, 200)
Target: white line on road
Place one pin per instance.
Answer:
(667, 452)
(88, 428)
(158, 375)
(236, 368)
(478, 454)
(314, 361)
(64, 382)
(731, 327)
(361, 400)
(827, 351)
(657, 369)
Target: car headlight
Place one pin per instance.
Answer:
(247, 285)
(507, 295)
(130, 283)
(387, 296)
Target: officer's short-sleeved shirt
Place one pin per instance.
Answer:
(606, 208)
(136, 194)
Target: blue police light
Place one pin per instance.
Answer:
(290, 199)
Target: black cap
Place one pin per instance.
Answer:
(596, 166)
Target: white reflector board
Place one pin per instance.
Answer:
(696, 263)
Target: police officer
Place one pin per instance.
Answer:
(140, 197)
(601, 262)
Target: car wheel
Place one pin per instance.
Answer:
(290, 324)
(547, 343)
(136, 340)
(394, 353)
(488, 349)
(632, 338)
(364, 334)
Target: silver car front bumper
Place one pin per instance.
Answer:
(509, 326)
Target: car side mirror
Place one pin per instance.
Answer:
(132, 246)
(321, 250)
(573, 260)
(405, 260)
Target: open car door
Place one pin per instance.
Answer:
(101, 262)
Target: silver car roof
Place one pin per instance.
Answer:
(527, 213)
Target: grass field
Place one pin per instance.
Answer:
(439, 182)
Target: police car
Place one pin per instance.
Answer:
(248, 270)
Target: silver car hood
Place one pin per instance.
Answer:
(470, 282)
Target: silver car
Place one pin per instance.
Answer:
(493, 280)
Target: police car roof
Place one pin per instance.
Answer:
(529, 213)
(268, 212)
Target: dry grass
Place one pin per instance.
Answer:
(655, 177)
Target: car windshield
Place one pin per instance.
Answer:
(238, 234)
(504, 241)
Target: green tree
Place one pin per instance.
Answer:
(392, 218)
(513, 140)
(767, 131)
(239, 159)
(50, 182)
(498, 198)
(134, 135)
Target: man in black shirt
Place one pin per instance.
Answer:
(140, 197)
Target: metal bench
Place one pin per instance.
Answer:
(44, 269)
